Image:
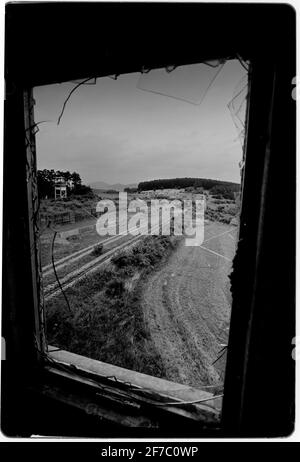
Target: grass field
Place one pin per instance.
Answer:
(160, 307)
(106, 322)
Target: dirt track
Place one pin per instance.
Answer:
(187, 306)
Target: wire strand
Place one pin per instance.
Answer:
(55, 273)
(69, 96)
(242, 62)
(221, 353)
(196, 401)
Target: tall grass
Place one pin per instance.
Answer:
(107, 321)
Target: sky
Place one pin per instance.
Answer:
(119, 131)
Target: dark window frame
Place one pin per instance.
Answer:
(270, 94)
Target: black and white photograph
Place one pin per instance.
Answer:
(149, 222)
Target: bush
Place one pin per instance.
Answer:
(115, 287)
(122, 259)
(107, 320)
(97, 250)
(140, 260)
(73, 238)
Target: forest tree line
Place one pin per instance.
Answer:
(215, 187)
(46, 182)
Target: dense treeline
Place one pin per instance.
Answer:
(46, 181)
(130, 190)
(220, 187)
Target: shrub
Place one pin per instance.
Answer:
(97, 250)
(73, 238)
(115, 287)
(122, 259)
(107, 321)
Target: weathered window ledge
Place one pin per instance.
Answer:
(183, 398)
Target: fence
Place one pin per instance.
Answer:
(68, 217)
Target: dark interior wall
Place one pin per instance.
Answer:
(47, 43)
(57, 42)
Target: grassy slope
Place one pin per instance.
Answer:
(107, 322)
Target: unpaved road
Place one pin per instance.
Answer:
(187, 306)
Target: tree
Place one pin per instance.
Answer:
(171, 183)
(82, 189)
(45, 180)
(130, 190)
(75, 177)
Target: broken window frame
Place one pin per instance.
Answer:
(258, 344)
(57, 378)
(56, 361)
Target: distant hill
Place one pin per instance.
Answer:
(177, 183)
(102, 185)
